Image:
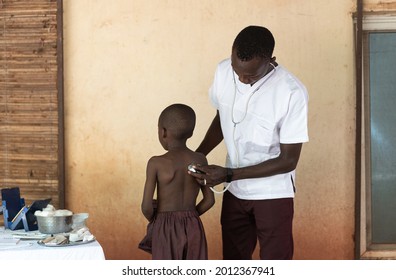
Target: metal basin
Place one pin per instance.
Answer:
(54, 224)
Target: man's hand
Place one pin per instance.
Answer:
(211, 175)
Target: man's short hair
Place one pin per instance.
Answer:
(254, 41)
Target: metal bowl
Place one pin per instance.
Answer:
(54, 224)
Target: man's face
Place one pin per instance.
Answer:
(250, 71)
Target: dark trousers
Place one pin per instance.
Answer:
(244, 221)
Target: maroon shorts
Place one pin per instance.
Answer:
(244, 221)
(179, 235)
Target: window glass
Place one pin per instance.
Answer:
(382, 67)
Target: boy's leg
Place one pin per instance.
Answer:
(274, 220)
(238, 228)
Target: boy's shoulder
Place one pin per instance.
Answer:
(156, 159)
(170, 157)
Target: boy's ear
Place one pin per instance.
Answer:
(163, 132)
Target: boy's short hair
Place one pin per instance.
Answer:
(179, 119)
(254, 41)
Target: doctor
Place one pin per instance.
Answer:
(262, 116)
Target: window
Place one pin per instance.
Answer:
(31, 99)
(378, 190)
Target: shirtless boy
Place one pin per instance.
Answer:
(178, 232)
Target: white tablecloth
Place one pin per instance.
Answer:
(31, 250)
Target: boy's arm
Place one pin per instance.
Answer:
(149, 188)
(207, 201)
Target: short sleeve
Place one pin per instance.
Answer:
(213, 91)
(294, 127)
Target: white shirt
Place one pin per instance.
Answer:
(272, 111)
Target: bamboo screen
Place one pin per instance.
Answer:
(31, 90)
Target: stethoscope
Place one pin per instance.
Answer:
(242, 119)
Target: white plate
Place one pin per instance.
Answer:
(35, 236)
(40, 242)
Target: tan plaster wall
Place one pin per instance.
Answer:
(126, 60)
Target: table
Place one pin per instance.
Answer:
(31, 250)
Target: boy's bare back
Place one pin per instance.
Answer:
(176, 189)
